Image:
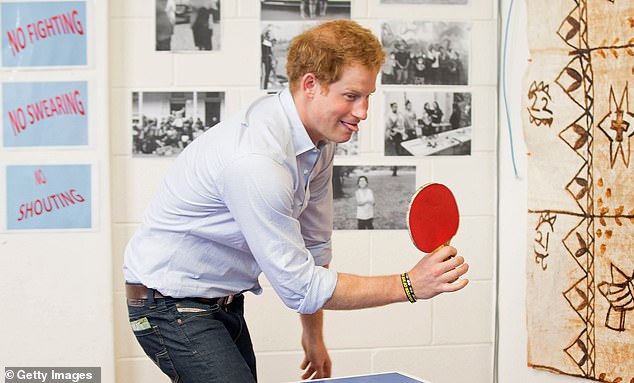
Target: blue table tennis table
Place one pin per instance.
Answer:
(386, 377)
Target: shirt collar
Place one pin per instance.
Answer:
(301, 140)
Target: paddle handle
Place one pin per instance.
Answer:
(443, 245)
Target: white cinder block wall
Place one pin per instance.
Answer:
(56, 285)
(446, 340)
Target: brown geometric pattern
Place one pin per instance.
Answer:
(579, 126)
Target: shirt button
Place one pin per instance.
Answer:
(305, 171)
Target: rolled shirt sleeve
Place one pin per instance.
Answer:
(259, 193)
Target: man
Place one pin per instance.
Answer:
(266, 45)
(165, 21)
(411, 121)
(311, 5)
(254, 195)
(395, 132)
(403, 62)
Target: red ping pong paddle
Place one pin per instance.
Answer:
(432, 217)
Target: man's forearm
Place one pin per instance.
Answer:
(313, 324)
(358, 292)
(435, 273)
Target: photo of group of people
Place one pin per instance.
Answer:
(420, 123)
(280, 22)
(425, 53)
(458, 2)
(164, 123)
(304, 10)
(372, 197)
(187, 25)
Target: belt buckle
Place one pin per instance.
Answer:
(225, 301)
(134, 302)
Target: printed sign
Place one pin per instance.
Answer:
(45, 114)
(49, 197)
(44, 34)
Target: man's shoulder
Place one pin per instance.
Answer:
(267, 111)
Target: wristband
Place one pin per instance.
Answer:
(407, 286)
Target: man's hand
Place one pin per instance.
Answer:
(439, 272)
(316, 362)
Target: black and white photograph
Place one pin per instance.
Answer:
(348, 148)
(304, 10)
(421, 123)
(164, 123)
(187, 25)
(275, 38)
(425, 52)
(372, 197)
(450, 2)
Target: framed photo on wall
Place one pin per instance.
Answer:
(304, 10)
(187, 25)
(423, 123)
(275, 38)
(372, 196)
(425, 52)
(164, 123)
(442, 2)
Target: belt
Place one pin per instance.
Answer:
(140, 292)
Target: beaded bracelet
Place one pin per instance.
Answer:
(407, 286)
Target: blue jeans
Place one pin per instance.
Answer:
(193, 341)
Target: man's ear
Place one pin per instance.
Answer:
(309, 85)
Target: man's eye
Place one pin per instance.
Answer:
(351, 97)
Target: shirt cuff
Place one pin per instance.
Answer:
(321, 289)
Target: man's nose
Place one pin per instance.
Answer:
(360, 110)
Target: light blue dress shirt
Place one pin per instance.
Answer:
(252, 194)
